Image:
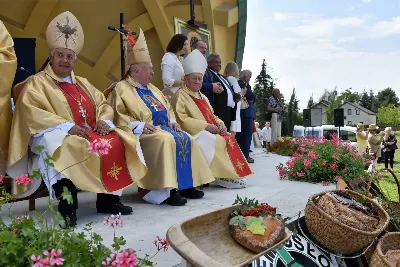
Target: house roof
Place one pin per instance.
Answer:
(323, 102)
(358, 106)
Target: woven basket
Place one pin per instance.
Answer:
(335, 235)
(387, 242)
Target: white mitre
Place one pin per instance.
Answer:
(195, 63)
(65, 31)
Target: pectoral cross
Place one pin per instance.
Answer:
(153, 105)
(82, 111)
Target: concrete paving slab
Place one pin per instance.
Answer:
(149, 221)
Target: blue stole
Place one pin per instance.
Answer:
(182, 140)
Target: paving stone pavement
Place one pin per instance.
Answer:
(149, 221)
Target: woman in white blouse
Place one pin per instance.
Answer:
(171, 66)
(232, 74)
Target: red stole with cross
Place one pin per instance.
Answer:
(114, 172)
(235, 154)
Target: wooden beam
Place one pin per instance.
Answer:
(208, 15)
(157, 14)
(39, 16)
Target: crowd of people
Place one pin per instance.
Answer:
(171, 143)
(370, 142)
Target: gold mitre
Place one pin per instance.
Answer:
(195, 63)
(138, 53)
(65, 31)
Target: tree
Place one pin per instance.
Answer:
(365, 100)
(263, 88)
(310, 102)
(389, 115)
(349, 96)
(387, 96)
(292, 112)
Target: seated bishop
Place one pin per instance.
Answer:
(196, 116)
(8, 66)
(66, 116)
(175, 163)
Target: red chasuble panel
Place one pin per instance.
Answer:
(235, 154)
(114, 172)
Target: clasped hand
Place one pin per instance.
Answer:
(101, 128)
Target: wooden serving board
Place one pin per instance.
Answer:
(206, 241)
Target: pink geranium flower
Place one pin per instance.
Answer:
(24, 179)
(161, 243)
(333, 166)
(300, 174)
(307, 163)
(1, 178)
(323, 162)
(99, 148)
(313, 155)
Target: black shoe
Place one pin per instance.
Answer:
(250, 160)
(115, 209)
(192, 193)
(250, 150)
(175, 199)
(70, 220)
(206, 185)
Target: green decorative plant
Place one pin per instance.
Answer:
(319, 160)
(38, 241)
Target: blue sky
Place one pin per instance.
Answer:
(311, 45)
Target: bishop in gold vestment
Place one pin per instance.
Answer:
(174, 160)
(8, 66)
(63, 113)
(195, 114)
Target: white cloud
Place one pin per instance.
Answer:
(310, 61)
(385, 28)
(280, 16)
(325, 27)
(366, 1)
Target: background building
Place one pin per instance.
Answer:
(355, 113)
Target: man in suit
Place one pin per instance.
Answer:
(247, 115)
(219, 91)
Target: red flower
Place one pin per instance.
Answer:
(24, 179)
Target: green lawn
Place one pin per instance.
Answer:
(388, 184)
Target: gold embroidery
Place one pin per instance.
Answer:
(114, 171)
(231, 143)
(239, 165)
(107, 140)
(184, 144)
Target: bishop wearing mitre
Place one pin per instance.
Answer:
(175, 163)
(8, 66)
(196, 116)
(66, 115)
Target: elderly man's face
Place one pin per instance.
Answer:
(62, 61)
(247, 78)
(194, 81)
(143, 73)
(202, 47)
(215, 64)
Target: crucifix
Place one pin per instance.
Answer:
(82, 111)
(193, 21)
(123, 33)
(154, 106)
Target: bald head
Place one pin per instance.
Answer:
(276, 92)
